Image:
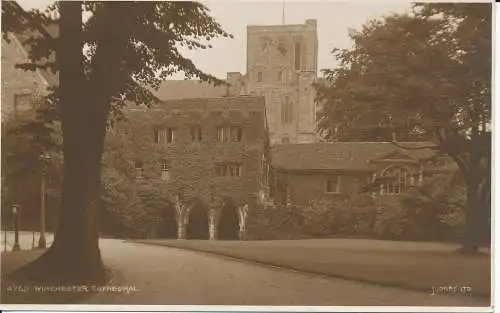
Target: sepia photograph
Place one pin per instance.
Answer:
(251, 154)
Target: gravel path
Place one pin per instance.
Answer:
(169, 276)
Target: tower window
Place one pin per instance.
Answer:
(297, 55)
(280, 76)
(282, 49)
(259, 77)
(287, 111)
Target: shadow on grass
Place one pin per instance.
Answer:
(17, 288)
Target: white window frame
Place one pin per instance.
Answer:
(404, 175)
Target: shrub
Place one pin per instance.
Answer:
(319, 219)
(435, 208)
(274, 222)
(350, 216)
(454, 221)
(391, 221)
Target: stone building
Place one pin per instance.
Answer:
(282, 67)
(331, 171)
(209, 155)
(21, 90)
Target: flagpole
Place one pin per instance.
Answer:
(283, 12)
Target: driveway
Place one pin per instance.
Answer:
(145, 274)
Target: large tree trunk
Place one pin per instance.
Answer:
(470, 242)
(74, 256)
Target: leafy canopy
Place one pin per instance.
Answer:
(419, 75)
(146, 37)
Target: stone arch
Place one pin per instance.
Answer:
(167, 227)
(228, 226)
(198, 221)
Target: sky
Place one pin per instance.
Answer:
(334, 19)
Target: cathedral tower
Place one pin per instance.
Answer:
(282, 62)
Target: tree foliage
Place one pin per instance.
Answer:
(22, 168)
(436, 207)
(421, 76)
(113, 57)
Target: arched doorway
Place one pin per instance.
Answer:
(228, 228)
(168, 226)
(197, 227)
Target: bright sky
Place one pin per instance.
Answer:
(334, 19)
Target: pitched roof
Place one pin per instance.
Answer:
(339, 155)
(225, 106)
(51, 77)
(188, 89)
(47, 30)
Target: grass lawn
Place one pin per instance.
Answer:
(411, 265)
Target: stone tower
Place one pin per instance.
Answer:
(281, 66)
